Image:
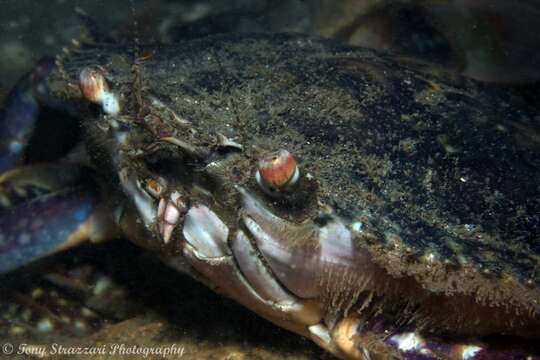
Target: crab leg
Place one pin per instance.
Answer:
(49, 224)
(44, 208)
(26, 182)
(20, 113)
(48, 208)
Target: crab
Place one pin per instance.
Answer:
(373, 204)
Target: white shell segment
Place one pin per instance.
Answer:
(143, 202)
(110, 103)
(320, 332)
(469, 351)
(278, 256)
(297, 268)
(167, 232)
(172, 214)
(255, 272)
(336, 245)
(408, 341)
(204, 230)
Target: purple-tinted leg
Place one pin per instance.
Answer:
(48, 224)
(20, 112)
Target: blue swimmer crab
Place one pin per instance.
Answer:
(373, 204)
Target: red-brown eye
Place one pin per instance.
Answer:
(94, 88)
(277, 171)
(93, 85)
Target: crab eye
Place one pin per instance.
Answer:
(277, 171)
(94, 88)
(93, 85)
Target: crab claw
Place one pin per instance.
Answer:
(20, 113)
(208, 252)
(50, 223)
(24, 183)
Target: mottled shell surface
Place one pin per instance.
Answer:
(438, 174)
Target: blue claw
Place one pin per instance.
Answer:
(25, 183)
(46, 225)
(20, 113)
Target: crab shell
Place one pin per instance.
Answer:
(416, 213)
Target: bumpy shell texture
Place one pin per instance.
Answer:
(439, 173)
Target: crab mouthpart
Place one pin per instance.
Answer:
(206, 232)
(297, 253)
